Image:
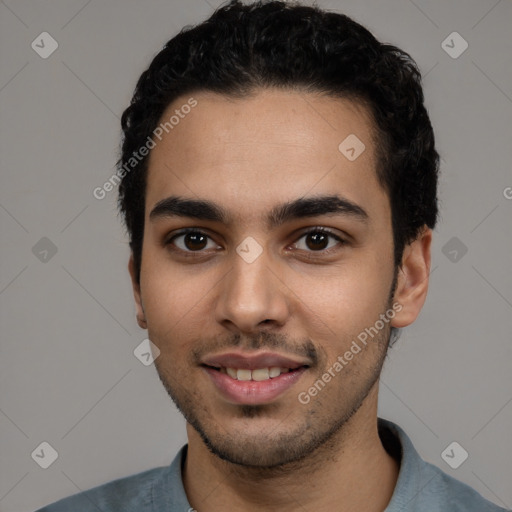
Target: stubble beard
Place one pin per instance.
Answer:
(309, 441)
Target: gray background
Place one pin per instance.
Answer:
(68, 375)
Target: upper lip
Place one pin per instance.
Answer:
(248, 361)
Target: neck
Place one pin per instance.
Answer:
(340, 475)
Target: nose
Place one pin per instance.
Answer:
(252, 296)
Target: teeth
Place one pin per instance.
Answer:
(256, 375)
(275, 371)
(243, 374)
(261, 374)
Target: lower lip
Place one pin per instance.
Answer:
(251, 392)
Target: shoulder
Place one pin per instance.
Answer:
(129, 494)
(445, 493)
(422, 486)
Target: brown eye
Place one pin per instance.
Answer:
(191, 241)
(195, 241)
(318, 239)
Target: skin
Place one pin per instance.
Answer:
(249, 155)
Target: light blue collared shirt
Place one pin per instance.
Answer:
(421, 487)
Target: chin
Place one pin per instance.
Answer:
(257, 453)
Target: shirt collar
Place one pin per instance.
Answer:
(170, 493)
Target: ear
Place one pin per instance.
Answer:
(413, 276)
(141, 317)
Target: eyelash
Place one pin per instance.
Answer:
(199, 253)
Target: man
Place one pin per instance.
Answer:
(279, 181)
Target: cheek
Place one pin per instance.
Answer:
(171, 300)
(348, 297)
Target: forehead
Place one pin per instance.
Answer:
(273, 146)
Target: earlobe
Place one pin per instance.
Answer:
(413, 276)
(141, 316)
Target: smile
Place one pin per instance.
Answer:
(258, 374)
(253, 387)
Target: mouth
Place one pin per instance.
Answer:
(243, 378)
(257, 374)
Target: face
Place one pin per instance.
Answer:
(267, 253)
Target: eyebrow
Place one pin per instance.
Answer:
(202, 209)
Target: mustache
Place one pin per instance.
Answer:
(262, 340)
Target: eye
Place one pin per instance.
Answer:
(318, 239)
(191, 240)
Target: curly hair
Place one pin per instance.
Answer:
(243, 48)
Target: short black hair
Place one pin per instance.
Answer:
(273, 44)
